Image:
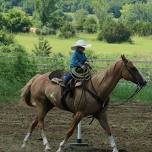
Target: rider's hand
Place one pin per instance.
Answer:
(83, 67)
(87, 65)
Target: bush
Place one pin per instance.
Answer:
(58, 61)
(23, 69)
(3, 21)
(12, 48)
(8, 45)
(67, 30)
(141, 28)
(6, 38)
(91, 54)
(17, 19)
(115, 32)
(15, 73)
(100, 35)
(90, 25)
(45, 31)
(43, 48)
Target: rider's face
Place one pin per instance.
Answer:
(81, 49)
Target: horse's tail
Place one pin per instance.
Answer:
(26, 93)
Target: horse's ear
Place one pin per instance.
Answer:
(124, 58)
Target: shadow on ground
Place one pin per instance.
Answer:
(89, 149)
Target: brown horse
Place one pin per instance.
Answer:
(41, 93)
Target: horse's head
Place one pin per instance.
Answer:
(131, 73)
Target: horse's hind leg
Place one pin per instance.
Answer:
(75, 122)
(29, 133)
(42, 108)
(102, 118)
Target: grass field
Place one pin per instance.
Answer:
(140, 48)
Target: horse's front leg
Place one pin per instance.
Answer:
(75, 122)
(102, 118)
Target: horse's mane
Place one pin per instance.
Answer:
(101, 75)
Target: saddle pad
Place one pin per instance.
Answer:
(56, 80)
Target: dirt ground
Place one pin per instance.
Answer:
(131, 125)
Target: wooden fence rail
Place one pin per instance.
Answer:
(144, 66)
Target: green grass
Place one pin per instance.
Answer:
(141, 47)
(125, 89)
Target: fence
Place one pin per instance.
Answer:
(13, 79)
(44, 64)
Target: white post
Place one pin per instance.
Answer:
(79, 140)
(79, 133)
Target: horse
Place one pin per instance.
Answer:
(43, 94)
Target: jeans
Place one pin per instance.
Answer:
(67, 77)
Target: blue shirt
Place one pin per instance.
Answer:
(78, 59)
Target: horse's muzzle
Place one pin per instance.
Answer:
(143, 83)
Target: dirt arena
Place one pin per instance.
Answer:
(131, 124)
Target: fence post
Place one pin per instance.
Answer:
(79, 142)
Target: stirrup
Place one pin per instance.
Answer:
(62, 84)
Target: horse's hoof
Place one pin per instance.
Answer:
(47, 149)
(23, 146)
(115, 150)
(59, 150)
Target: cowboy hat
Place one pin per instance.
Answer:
(80, 43)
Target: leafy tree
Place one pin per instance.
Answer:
(67, 30)
(3, 21)
(56, 20)
(101, 9)
(141, 28)
(74, 5)
(91, 24)
(17, 19)
(43, 10)
(79, 19)
(137, 12)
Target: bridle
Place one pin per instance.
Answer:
(139, 87)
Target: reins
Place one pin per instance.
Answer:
(93, 94)
(138, 89)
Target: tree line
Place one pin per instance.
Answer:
(68, 17)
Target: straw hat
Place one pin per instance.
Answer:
(80, 43)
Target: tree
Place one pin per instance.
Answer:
(17, 19)
(101, 9)
(137, 12)
(43, 10)
(80, 17)
(3, 21)
(91, 24)
(67, 30)
(74, 5)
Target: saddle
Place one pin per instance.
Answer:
(57, 78)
